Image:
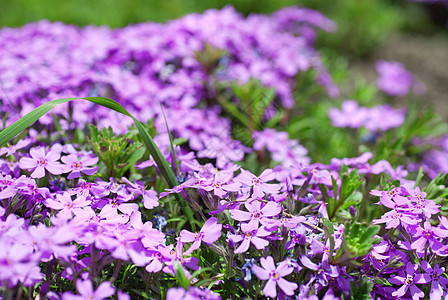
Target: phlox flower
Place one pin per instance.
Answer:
(10, 150)
(86, 291)
(256, 213)
(274, 276)
(159, 255)
(325, 272)
(53, 241)
(251, 234)
(76, 165)
(351, 115)
(209, 233)
(428, 234)
(394, 218)
(65, 204)
(190, 294)
(393, 78)
(436, 278)
(408, 279)
(16, 264)
(222, 184)
(41, 161)
(7, 187)
(129, 246)
(150, 236)
(150, 199)
(259, 184)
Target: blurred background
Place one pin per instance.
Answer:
(362, 24)
(414, 33)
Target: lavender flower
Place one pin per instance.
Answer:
(41, 161)
(274, 276)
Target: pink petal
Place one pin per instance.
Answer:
(105, 290)
(260, 272)
(73, 175)
(27, 163)
(268, 263)
(88, 161)
(270, 289)
(39, 172)
(85, 288)
(38, 153)
(259, 243)
(243, 247)
(187, 236)
(267, 175)
(55, 169)
(287, 287)
(239, 215)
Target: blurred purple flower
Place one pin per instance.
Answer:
(393, 78)
(86, 291)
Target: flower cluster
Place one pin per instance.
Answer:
(414, 241)
(395, 80)
(378, 118)
(246, 219)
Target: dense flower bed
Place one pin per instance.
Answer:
(86, 213)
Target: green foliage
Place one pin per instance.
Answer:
(117, 152)
(179, 274)
(362, 289)
(350, 182)
(357, 242)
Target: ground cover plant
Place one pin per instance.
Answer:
(228, 165)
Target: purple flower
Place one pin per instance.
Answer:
(86, 291)
(66, 205)
(191, 294)
(393, 78)
(252, 234)
(259, 184)
(13, 148)
(256, 213)
(350, 115)
(41, 161)
(150, 199)
(430, 235)
(210, 233)
(436, 278)
(408, 279)
(274, 276)
(75, 166)
(394, 218)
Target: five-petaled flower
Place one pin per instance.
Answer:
(274, 276)
(41, 161)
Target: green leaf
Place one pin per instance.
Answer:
(171, 140)
(200, 271)
(181, 279)
(419, 177)
(361, 290)
(329, 231)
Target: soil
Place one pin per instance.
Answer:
(426, 57)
